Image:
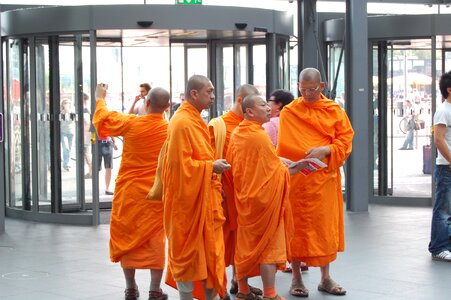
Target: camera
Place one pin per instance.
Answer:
(105, 85)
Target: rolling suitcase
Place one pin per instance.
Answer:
(427, 159)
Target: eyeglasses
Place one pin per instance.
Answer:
(310, 90)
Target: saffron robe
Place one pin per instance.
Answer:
(193, 216)
(231, 121)
(261, 186)
(137, 237)
(316, 199)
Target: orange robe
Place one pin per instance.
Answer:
(316, 199)
(261, 185)
(231, 121)
(137, 237)
(193, 214)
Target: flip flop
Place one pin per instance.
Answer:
(331, 287)
(299, 290)
(250, 296)
(277, 297)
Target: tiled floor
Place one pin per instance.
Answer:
(386, 258)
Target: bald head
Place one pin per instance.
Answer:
(246, 90)
(249, 102)
(310, 74)
(195, 82)
(158, 99)
(255, 108)
(242, 92)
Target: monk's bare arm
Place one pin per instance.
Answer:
(220, 166)
(318, 152)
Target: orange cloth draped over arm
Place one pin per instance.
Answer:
(261, 184)
(231, 121)
(316, 199)
(193, 214)
(134, 220)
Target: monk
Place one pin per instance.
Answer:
(220, 130)
(313, 126)
(137, 238)
(193, 215)
(261, 187)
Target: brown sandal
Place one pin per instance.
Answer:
(157, 295)
(299, 290)
(253, 289)
(250, 296)
(277, 297)
(131, 294)
(331, 287)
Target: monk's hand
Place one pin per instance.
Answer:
(220, 166)
(286, 162)
(295, 167)
(318, 152)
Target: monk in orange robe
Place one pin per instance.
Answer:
(261, 187)
(220, 131)
(313, 126)
(193, 216)
(137, 238)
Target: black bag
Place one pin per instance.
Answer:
(427, 159)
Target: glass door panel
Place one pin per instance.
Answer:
(178, 80)
(227, 93)
(405, 135)
(15, 123)
(197, 64)
(259, 63)
(241, 65)
(68, 125)
(43, 125)
(109, 71)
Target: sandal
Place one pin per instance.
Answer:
(131, 294)
(299, 290)
(331, 287)
(253, 289)
(157, 295)
(277, 297)
(250, 296)
(226, 297)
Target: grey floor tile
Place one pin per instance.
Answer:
(386, 258)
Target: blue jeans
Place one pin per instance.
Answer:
(408, 142)
(441, 214)
(66, 144)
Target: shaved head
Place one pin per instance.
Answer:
(249, 101)
(196, 82)
(256, 109)
(245, 90)
(310, 74)
(159, 99)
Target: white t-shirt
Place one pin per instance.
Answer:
(443, 116)
(140, 108)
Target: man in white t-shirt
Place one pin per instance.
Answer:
(139, 108)
(440, 244)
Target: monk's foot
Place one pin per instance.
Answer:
(331, 287)
(298, 289)
(226, 297)
(277, 297)
(233, 287)
(250, 296)
(131, 294)
(255, 290)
